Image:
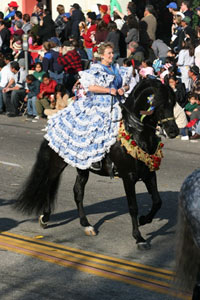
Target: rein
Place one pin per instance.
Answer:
(166, 120)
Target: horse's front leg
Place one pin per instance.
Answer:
(196, 290)
(79, 189)
(129, 186)
(151, 185)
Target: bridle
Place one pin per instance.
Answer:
(165, 120)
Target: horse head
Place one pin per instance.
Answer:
(150, 103)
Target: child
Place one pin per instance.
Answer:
(192, 105)
(61, 100)
(146, 69)
(38, 71)
(135, 78)
(33, 89)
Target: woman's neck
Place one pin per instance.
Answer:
(105, 63)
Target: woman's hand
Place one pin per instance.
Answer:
(113, 92)
(121, 91)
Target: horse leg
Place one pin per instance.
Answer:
(151, 185)
(79, 189)
(129, 186)
(57, 165)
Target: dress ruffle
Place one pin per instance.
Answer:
(84, 132)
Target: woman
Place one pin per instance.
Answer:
(83, 132)
(88, 36)
(185, 60)
(59, 22)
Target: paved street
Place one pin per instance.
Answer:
(60, 262)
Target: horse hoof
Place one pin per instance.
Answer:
(142, 220)
(42, 223)
(89, 230)
(144, 246)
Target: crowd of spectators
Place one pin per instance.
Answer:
(59, 49)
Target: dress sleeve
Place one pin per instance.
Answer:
(95, 76)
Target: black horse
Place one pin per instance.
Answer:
(41, 187)
(188, 237)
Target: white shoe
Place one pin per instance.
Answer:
(35, 119)
(185, 138)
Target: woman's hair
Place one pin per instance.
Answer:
(26, 18)
(46, 46)
(132, 22)
(102, 47)
(148, 62)
(101, 26)
(188, 45)
(132, 7)
(60, 9)
(60, 88)
(112, 26)
(40, 64)
(178, 19)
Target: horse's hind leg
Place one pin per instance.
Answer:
(57, 165)
(129, 186)
(151, 185)
(79, 189)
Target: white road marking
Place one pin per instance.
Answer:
(10, 164)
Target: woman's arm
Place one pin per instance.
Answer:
(102, 90)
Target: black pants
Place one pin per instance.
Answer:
(12, 100)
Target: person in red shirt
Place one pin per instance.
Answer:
(105, 16)
(71, 61)
(45, 96)
(89, 36)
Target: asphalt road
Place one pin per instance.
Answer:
(60, 262)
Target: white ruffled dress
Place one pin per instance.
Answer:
(83, 132)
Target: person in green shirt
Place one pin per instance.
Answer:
(192, 103)
(38, 71)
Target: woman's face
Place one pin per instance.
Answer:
(107, 56)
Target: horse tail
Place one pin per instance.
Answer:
(40, 188)
(187, 256)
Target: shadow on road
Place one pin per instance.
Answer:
(118, 206)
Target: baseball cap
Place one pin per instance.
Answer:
(172, 5)
(55, 40)
(195, 70)
(67, 15)
(187, 20)
(13, 4)
(76, 6)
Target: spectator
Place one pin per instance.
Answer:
(34, 26)
(18, 28)
(192, 104)
(5, 38)
(118, 20)
(44, 98)
(173, 8)
(146, 69)
(133, 32)
(187, 32)
(59, 21)
(78, 45)
(33, 89)
(101, 32)
(176, 30)
(151, 21)
(47, 27)
(179, 89)
(197, 49)
(185, 60)
(89, 36)
(114, 37)
(49, 61)
(76, 17)
(12, 7)
(2, 64)
(67, 31)
(137, 53)
(14, 92)
(185, 9)
(71, 61)
(38, 71)
(38, 11)
(26, 23)
(160, 49)
(194, 76)
(61, 100)
(104, 14)
(198, 14)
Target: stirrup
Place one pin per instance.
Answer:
(97, 166)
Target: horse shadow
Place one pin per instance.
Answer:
(116, 207)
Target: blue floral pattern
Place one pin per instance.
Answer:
(83, 132)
